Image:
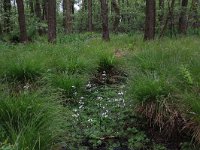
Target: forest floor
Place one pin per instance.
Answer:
(83, 93)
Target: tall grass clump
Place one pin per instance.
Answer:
(69, 85)
(162, 72)
(21, 69)
(30, 122)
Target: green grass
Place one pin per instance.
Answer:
(36, 118)
(30, 121)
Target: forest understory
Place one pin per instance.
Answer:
(87, 94)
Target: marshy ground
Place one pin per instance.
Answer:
(83, 93)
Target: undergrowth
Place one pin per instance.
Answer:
(85, 93)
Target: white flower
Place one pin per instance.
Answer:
(75, 110)
(120, 93)
(90, 120)
(81, 106)
(75, 115)
(99, 98)
(89, 85)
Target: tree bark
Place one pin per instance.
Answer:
(67, 8)
(170, 17)
(150, 20)
(44, 10)
(7, 13)
(183, 17)
(38, 13)
(22, 21)
(52, 21)
(161, 14)
(104, 15)
(31, 5)
(90, 25)
(116, 8)
(195, 5)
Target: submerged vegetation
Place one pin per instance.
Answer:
(125, 94)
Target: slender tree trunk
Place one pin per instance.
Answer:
(45, 10)
(116, 8)
(67, 8)
(183, 17)
(161, 14)
(31, 5)
(150, 20)
(38, 13)
(170, 17)
(72, 5)
(104, 15)
(22, 21)
(7, 13)
(195, 6)
(90, 25)
(52, 21)
(38, 9)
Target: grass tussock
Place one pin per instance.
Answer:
(30, 121)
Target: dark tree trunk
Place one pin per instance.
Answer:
(52, 21)
(183, 17)
(161, 14)
(150, 20)
(116, 8)
(45, 10)
(195, 5)
(38, 13)
(72, 5)
(7, 13)
(67, 9)
(170, 17)
(22, 21)
(0, 29)
(90, 25)
(31, 5)
(104, 15)
(38, 9)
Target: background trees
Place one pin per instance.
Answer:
(126, 16)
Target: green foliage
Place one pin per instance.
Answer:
(30, 121)
(107, 62)
(149, 88)
(103, 116)
(70, 85)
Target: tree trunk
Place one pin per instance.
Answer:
(116, 8)
(31, 5)
(38, 9)
(90, 25)
(195, 6)
(7, 13)
(52, 21)
(104, 15)
(161, 14)
(183, 17)
(38, 13)
(67, 9)
(45, 10)
(170, 17)
(72, 5)
(150, 20)
(22, 21)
